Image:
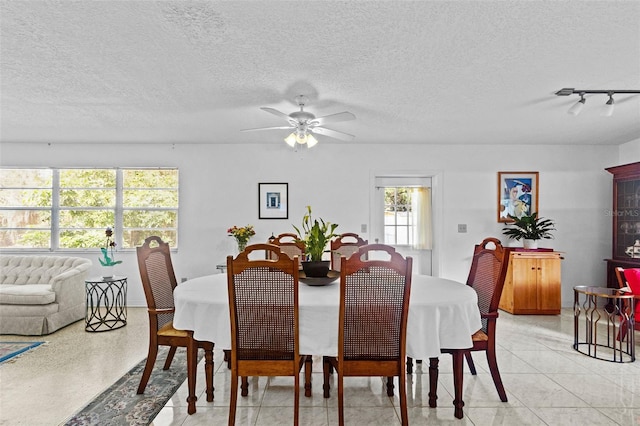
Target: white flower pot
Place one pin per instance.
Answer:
(530, 244)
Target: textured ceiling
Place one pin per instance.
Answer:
(450, 72)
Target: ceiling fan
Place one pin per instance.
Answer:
(305, 123)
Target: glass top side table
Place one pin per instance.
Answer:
(106, 307)
(603, 321)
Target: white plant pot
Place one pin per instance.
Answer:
(530, 244)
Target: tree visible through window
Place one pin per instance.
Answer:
(70, 208)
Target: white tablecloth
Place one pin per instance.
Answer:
(442, 314)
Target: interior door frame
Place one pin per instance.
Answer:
(436, 205)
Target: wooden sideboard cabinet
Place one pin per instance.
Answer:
(533, 283)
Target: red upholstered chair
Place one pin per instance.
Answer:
(344, 245)
(630, 278)
(158, 282)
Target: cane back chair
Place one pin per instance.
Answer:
(159, 281)
(374, 304)
(486, 277)
(263, 307)
(344, 245)
(289, 245)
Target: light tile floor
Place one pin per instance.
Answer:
(547, 382)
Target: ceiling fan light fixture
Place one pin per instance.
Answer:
(291, 140)
(311, 141)
(301, 138)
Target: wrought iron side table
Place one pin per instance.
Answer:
(106, 303)
(606, 331)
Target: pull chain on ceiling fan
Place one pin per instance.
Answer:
(304, 124)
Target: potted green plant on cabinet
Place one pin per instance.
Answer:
(315, 234)
(530, 228)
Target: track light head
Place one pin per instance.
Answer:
(577, 107)
(608, 110)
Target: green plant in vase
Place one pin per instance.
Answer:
(315, 234)
(531, 228)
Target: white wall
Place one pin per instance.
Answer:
(630, 152)
(219, 183)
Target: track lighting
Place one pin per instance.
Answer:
(577, 107)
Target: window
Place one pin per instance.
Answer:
(398, 220)
(70, 208)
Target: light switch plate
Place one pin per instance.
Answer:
(363, 228)
(462, 228)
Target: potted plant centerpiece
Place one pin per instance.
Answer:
(530, 228)
(315, 234)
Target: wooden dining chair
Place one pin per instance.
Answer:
(372, 333)
(289, 245)
(263, 308)
(486, 277)
(344, 245)
(159, 281)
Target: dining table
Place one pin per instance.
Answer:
(442, 314)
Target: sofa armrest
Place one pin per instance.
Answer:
(69, 286)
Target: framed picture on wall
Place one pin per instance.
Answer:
(517, 194)
(273, 200)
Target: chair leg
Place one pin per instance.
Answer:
(244, 387)
(296, 398)
(404, 411)
(340, 396)
(170, 355)
(227, 358)
(458, 365)
(472, 366)
(390, 386)
(308, 369)
(433, 382)
(192, 363)
(148, 367)
(208, 369)
(495, 373)
(234, 399)
(326, 371)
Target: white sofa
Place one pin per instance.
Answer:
(41, 294)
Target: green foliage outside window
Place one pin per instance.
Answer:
(86, 206)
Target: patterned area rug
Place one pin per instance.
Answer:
(11, 350)
(120, 405)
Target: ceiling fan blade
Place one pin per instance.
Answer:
(276, 112)
(333, 118)
(332, 133)
(267, 128)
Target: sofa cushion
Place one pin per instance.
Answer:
(26, 294)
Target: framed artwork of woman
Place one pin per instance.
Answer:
(517, 194)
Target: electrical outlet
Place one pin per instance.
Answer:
(363, 228)
(462, 228)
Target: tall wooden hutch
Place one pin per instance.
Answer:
(625, 216)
